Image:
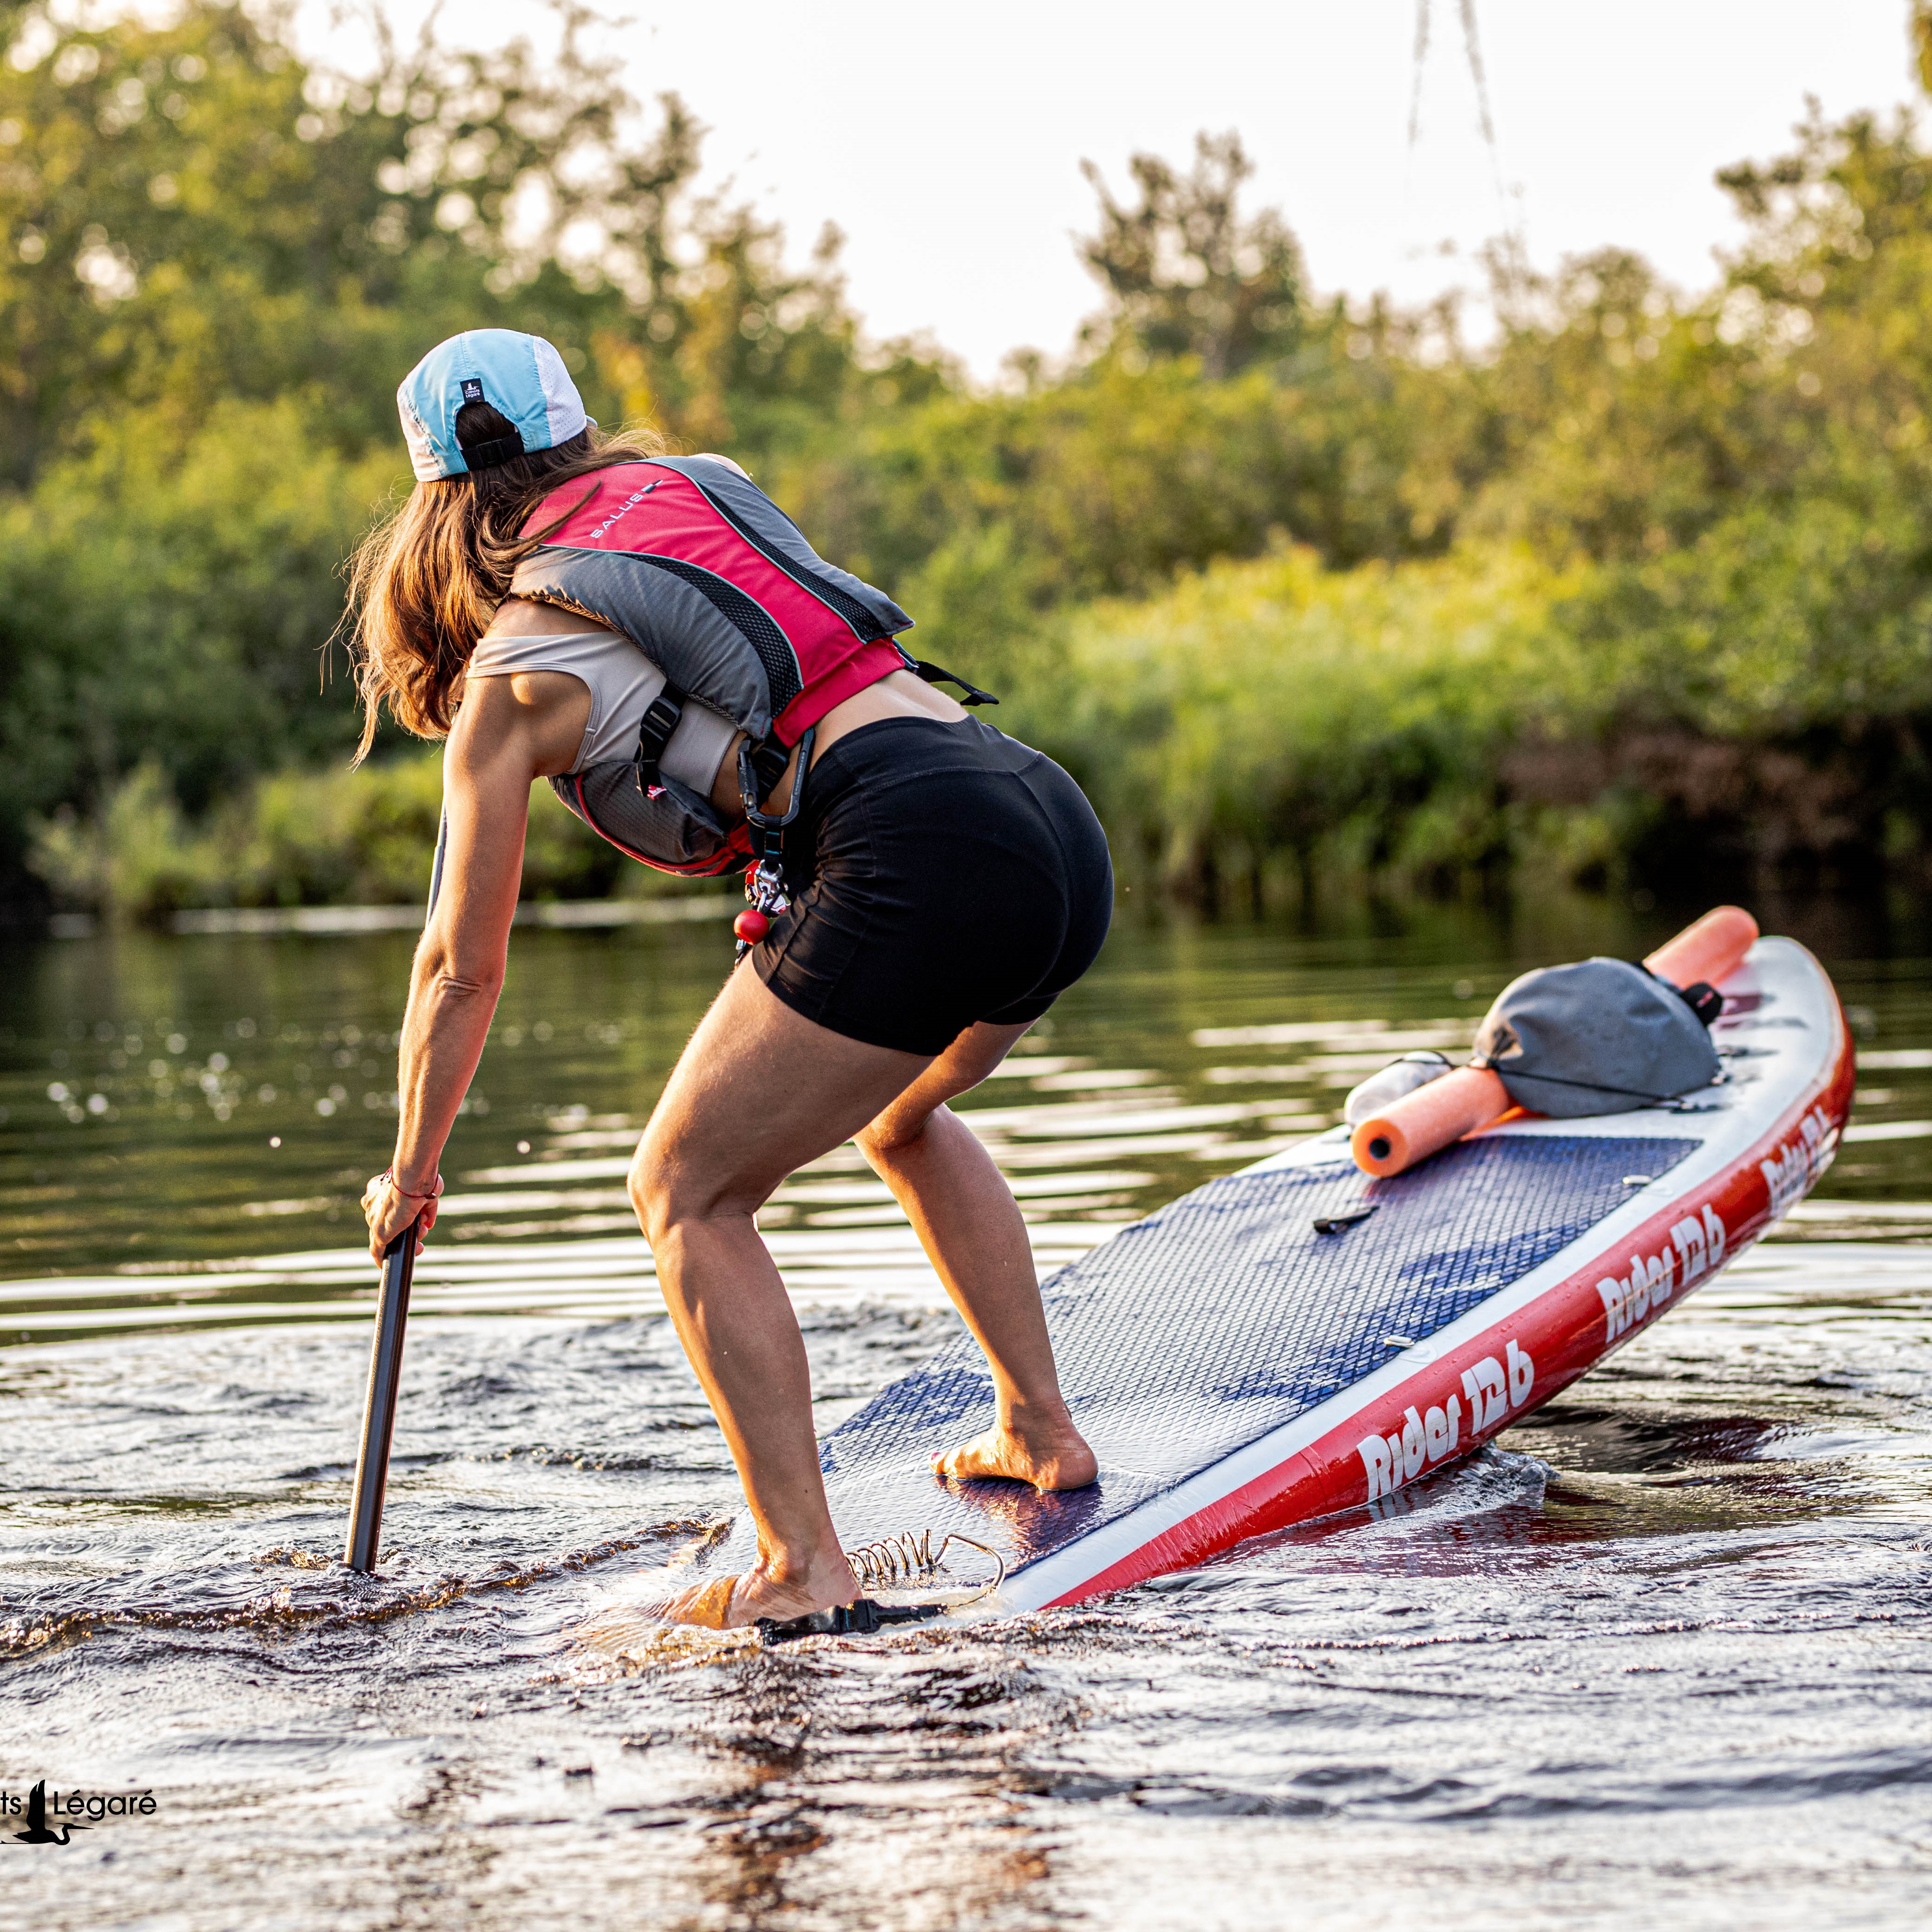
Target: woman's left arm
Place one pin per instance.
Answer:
(495, 750)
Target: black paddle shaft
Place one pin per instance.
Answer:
(385, 1356)
(379, 1411)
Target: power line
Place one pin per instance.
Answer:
(1421, 61)
(1474, 48)
(1512, 242)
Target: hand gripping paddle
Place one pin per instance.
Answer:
(385, 1356)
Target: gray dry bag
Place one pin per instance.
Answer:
(1602, 1037)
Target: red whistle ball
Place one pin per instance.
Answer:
(750, 925)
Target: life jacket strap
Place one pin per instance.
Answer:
(765, 884)
(933, 673)
(769, 760)
(660, 720)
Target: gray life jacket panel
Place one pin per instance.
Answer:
(691, 561)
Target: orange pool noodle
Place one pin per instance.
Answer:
(1712, 950)
(1424, 1122)
(1412, 1128)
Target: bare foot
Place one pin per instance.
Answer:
(736, 1603)
(1056, 1458)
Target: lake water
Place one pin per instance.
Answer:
(1661, 1655)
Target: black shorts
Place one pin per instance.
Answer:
(944, 874)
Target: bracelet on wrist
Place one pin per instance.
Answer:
(409, 1194)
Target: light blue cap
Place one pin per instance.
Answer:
(520, 376)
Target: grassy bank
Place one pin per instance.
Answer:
(300, 837)
(1263, 731)
(1270, 716)
(1270, 726)
(1750, 714)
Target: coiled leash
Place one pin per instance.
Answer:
(907, 1558)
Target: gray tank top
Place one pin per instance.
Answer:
(622, 682)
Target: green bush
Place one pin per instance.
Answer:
(1348, 722)
(301, 838)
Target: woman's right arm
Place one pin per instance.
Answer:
(507, 734)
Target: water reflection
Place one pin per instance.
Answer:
(216, 1178)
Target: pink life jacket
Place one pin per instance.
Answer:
(689, 559)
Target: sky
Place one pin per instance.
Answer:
(946, 141)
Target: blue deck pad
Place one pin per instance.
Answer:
(1195, 1332)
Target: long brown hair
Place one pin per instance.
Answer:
(424, 584)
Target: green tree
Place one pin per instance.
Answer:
(216, 261)
(1185, 274)
(192, 213)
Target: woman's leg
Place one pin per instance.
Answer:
(759, 1091)
(970, 1226)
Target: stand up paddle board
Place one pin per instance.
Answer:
(1297, 1339)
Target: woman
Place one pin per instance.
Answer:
(547, 593)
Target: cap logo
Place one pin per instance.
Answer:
(472, 390)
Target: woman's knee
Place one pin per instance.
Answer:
(880, 1140)
(898, 1128)
(908, 1121)
(670, 1190)
(652, 1200)
(667, 1193)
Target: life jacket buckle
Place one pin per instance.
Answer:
(654, 732)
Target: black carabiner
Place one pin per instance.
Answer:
(767, 833)
(765, 887)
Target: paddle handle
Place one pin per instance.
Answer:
(379, 1407)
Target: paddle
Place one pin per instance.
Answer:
(379, 1409)
(385, 1357)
